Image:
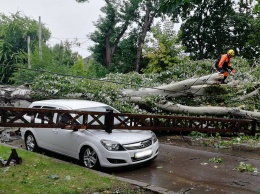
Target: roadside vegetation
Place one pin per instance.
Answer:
(245, 167)
(225, 141)
(39, 174)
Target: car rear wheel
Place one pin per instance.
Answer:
(89, 158)
(30, 142)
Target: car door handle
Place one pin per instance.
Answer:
(55, 130)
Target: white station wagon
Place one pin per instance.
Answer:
(93, 147)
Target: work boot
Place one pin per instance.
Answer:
(223, 81)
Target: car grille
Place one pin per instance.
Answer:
(116, 161)
(139, 159)
(138, 145)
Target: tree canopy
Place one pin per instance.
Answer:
(14, 56)
(14, 30)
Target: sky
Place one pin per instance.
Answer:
(66, 19)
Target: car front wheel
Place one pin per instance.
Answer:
(89, 158)
(30, 142)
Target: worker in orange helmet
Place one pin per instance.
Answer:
(223, 64)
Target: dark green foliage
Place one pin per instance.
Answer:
(206, 33)
(165, 49)
(174, 8)
(124, 58)
(252, 49)
(82, 1)
(216, 26)
(110, 37)
(14, 30)
(59, 59)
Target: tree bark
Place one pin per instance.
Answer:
(15, 92)
(249, 95)
(202, 110)
(111, 43)
(193, 86)
(19, 96)
(148, 19)
(108, 53)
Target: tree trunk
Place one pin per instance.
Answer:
(148, 19)
(108, 53)
(194, 86)
(19, 96)
(249, 95)
(202, 110)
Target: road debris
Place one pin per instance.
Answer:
(13, 159)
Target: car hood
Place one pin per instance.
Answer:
(122, 136)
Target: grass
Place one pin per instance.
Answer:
(39, 174)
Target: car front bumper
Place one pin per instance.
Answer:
(128, 157)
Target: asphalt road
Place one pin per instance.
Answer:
(186, 169)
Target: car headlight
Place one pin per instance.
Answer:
(154, 138)
(112, 145)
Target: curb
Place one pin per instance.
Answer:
(145, 186)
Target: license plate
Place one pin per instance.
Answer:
(143, 153)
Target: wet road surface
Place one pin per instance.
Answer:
(186, 169)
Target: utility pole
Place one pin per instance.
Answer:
(29, 51)
(40, 38)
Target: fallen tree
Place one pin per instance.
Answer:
(15, 95)
(182, 91)
(202, 110)
(188, 87)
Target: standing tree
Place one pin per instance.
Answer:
(216, 26)
(163, 49)
(150, 9)
(14, 30)
(111, 28)
(252, 46)
(246, 30)
(207, 30)
(124, 58)
(58, 59)
(113, 32)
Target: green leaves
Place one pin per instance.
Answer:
(14, 30)
(111, 30)
(245, 167)
(165, 49)
(216, 160)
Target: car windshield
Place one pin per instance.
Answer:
(99, 109)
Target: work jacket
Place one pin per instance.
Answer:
(224, 62)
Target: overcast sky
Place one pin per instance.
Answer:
(66, 19)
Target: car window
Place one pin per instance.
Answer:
(65, 118)
(99, 109)
(30, 113)
(46, 116)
